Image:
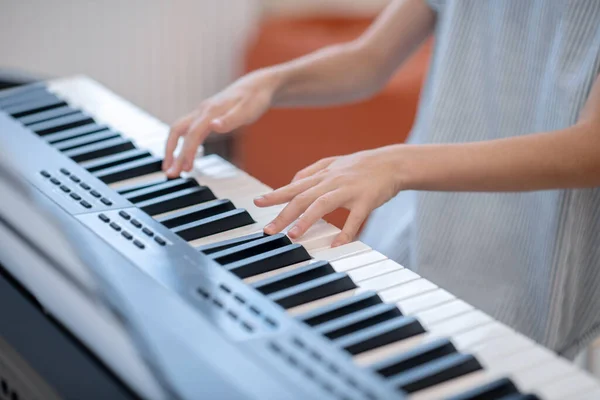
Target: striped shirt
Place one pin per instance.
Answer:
(531, 260)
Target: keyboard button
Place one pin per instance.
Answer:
(99, 149)
(106, 201)
(116, 159)
(95, 194)
(196, 213)
(75, 196)
(136, 223)
(160, 240)
(129, 170)
(124, 215)
(148, 232)
(127, 235)
(85, 204)
(173, 201)
(65, 171)
(115, 226)
(139, 244)
(103, 218)
(75, 179)
(45, 174)
(313, 290)
(65, 189)
(161, 189)
(55, 181)
(84, 186)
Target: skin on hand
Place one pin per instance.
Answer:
(359, 182)
(240, 104)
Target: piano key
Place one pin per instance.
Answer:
(23, 95)
(86, 140)
(226, 244)
(360, 260)
(336, 253)
(74, 133)
(38, 118)
(435, 372)
(60, 123)
(417, 356)
(227, 221)
(445, 311)
(40, 104)
(294, 277)
(340, 308)
(320, 236)
(161, 189)
(274, 259)
(196, 213)
(568, 388)
(498, 389)
(312, 290)
(129, 170)
(358, 320)
(175, 200)
(115, 159)
(380, 335)
(390, 279)
(124, 189)
(250, 249)
(99, 149)
(429, 296)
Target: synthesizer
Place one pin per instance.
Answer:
(226, 311)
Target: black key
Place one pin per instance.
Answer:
(75, 196)
(414, 358)
(48, 115)
(340, 308)
(138, 186)
(139, 244)
(129, 170)
(74, 133)
(379, 335)
(496, 390)
(104, 218)
(65, 188)
(295, 277)
(22, 95)
(193, 214)
(124, 214)
(85, 204)
(250, 249)
(215, 224)
(313, 290)
(358, 320)
(100, 149)
(170, 186)
(85, 140)
(116, 159)
(435, 372)
(174, 201)
(61, 123)
(40, 104)
(227, 244)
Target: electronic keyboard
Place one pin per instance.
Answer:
(261, 316)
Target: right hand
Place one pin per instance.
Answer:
(237, 105)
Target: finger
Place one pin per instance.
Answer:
(286, 193)
(179, 129)
(313, 168)
(232, 120)
(355, 220)
(295, 208)
(196, 135)
(320, 207)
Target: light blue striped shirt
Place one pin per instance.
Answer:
(531, 260)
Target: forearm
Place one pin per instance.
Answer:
(356, 70)
(568, 158)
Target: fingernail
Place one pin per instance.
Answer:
(269, 228)
(259, 199)
(294, 232)
(217, 122)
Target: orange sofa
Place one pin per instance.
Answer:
(286, 140)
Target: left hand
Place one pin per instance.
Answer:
(359, 182)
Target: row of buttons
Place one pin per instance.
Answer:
(85, 186)
(66, 189)
(124, 233)
(144, 229)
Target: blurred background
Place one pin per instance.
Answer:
(167, 56)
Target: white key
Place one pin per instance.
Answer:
(594, 394)
(138, 180)
(568, 388)
(336, 253)
(319, 235)
(368, 272)
(421, 295)
(444, 311)
(346, 264)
